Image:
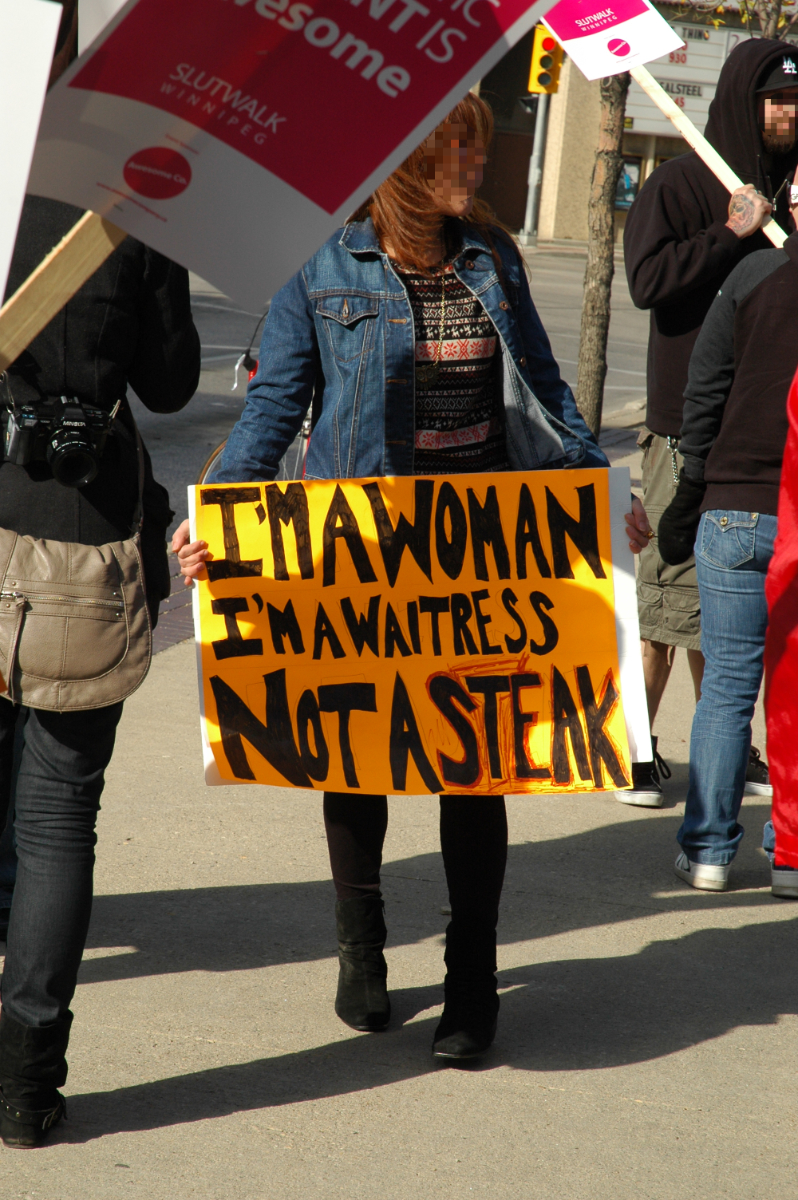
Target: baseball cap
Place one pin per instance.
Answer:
(781, 74)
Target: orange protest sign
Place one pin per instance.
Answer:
(454, 634)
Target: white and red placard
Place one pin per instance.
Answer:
(607, 38)
(29, 32)
(236, 135)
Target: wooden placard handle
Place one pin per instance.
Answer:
(56, 279)
(717, 165)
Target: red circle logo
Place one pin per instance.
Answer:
(619, 47)
(158, 173)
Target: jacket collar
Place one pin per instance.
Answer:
(359, 237)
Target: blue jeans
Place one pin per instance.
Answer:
(733, 550)
(59, 768)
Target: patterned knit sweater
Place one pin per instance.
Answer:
(459, 415)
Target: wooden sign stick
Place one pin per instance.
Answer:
(56, 279)
(718, 166)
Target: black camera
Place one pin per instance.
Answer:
(61, 431)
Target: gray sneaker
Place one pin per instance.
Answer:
(784, 882)
(703, 876)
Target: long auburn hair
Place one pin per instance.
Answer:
(401, 207)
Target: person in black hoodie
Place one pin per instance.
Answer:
(683, 236)
(732, 442)
(130, 324)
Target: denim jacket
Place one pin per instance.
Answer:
(343, 326)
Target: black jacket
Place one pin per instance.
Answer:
(735, 411)
(677, 247)
(129, 324)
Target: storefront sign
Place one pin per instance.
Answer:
(417, 635)
(605, 39)
(236, 135)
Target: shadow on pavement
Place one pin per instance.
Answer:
(583, 1014)
(612, 874)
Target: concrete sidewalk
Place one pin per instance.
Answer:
(646, 1043)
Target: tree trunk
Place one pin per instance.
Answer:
(769, 12)
(600, 252)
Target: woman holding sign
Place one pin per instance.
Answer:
(413, 332)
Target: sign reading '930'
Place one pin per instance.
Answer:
(412, 635)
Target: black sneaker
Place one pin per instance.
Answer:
(646, 790)
(757, 777)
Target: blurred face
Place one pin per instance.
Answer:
(455, 160)
(777, 118)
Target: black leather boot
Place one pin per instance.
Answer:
(468, 1023)
(32, 1068)
(362, 999)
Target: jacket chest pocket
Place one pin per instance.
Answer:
(349, 324)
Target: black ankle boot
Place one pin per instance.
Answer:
(362, 999)
(468, 1023)
(32, 1068)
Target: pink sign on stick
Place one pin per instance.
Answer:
(235, 135)
(607, 38)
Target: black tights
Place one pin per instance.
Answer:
(473, 844)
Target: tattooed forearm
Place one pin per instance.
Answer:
(742, 214)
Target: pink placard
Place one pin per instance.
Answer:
(580, 18)
(317, 93)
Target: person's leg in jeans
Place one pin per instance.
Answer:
(474, 847)
(733, 550)
(58, 788)
(12, 737)
(355, 827)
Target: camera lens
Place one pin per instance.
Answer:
(73, 460)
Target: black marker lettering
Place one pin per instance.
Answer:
(524, 769)
(364, 629)
(415, 537)
(582, 532)
(490, 687)
(289, 507)
(340, 522)
(444, 691)
(231, 566)
(450, 551)
(551, 634)
(307, 714)
(601, 748)
(434, 605)
(486, 530)
(345, 698)
(483, 621)
(527, 534)
(325, 631)
(406, 740)
(274, 741)
(565, 720)
(517, 644)
(234, 645)
(283, 624)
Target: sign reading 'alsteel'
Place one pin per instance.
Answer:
(279, 117)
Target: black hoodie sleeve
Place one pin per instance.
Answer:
(668, 256)
(712, 364)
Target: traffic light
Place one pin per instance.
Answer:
(547, 56)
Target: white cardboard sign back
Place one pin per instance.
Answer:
(30, 29)
(236, 135)
(606, 39)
